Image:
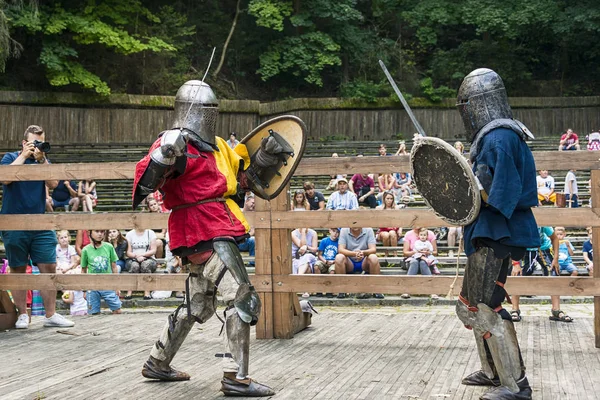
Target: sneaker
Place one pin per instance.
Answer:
(405, 296)
(22, 322)
(435, 297)
(378, 295)
(59, 321)
(435, 270)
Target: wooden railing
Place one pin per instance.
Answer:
(272, 221)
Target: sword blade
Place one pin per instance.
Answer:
(402, 100)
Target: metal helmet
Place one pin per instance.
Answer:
(196, 110)
(481, 99)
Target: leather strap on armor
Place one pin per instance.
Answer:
(217, 200)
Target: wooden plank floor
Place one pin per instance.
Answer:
(348, 353)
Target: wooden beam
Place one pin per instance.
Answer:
(262, 236)
(596, 247)
(582, 160)
(76, 220)
(137, 282)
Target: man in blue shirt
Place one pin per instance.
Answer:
(64, 195)
(504, 229)
(29, 197)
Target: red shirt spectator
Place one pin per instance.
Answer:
(569, 141)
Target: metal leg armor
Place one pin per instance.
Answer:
(480, 309)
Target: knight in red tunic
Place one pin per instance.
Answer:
(198, 174)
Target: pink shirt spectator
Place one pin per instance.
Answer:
(358, 181)
(411, 237)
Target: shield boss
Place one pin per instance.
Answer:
(445, 180)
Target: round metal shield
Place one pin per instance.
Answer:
(445, 180)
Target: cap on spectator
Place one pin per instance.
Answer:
(342, 180)
(232, 134)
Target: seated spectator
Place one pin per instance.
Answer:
(403, 182)
(363, 187)
(99, 257)
(119, 243)
(334, 178)
(249, 244)
(571, 191)
(389, 236)
(299, 202)
(161, 242)
(357, 254)
(67, 260)
(315, 199)
(304, 248)
(141, 249)
(87, 195)
(77, 301)
(588, 252)
(423, 253)
(82, 239)
(569, 141)
(401, 149)
(386, 183)
(63, 195)
(328, 249)
(383, 150)
(416, 265)
(545, 188)
(565, 252)
(232, 142)
(157, 195)
(593, 141)
(342, 199)
(454, 234)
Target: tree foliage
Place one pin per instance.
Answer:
(282, 48)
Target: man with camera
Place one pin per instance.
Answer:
(29, 197)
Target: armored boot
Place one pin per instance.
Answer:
(232, 386)
(487, 375)
(503, 393)
(155, 369)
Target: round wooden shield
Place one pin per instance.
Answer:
(445, 180)
(293, 130)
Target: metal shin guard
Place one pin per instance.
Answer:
(481, 273)
(468, 319)
(237, 343)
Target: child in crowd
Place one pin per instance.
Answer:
(67, 260)
(588, 252)
(571, 191)
(119, 243)
(424, 250)
(565, 252)
(328, 249)
(77, 302)
(100, 257)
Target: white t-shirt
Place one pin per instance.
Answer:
(79, 302)
(140, 243)
(63, 256)
(571, 177)
(545, 185)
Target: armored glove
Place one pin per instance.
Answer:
(172, 145)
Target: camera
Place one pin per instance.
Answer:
(44, 147)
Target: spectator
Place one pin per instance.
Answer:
(403, 182)
(119, 243)
(141, 248)
(99, 257)
(459, 147)
(299, 202)
(414, 265)
(389, 236)
(161, 241)
(588, 252)
(569, 141)
(383, 150)
(232, 142)
(423, 252)
(386, 183)
(342, 199)
(357, 254)
(454, 234)
(29, 197)
(571, 191)
(67, 260)
(304, 248)
(401, 149)
(82, 239)
(334, 178)
(328, 249)
(157, 195)
(545, 188)
(315, 199)
(87, 195)
(565, 252)
(363, 187)
(63, 195)
(249, 244)
(593, 141)
(304, 237)
(76, 299)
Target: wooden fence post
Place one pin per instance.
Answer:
(595, 199)
(262, 259)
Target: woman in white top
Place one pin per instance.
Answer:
(141, 248)
(299, 202)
